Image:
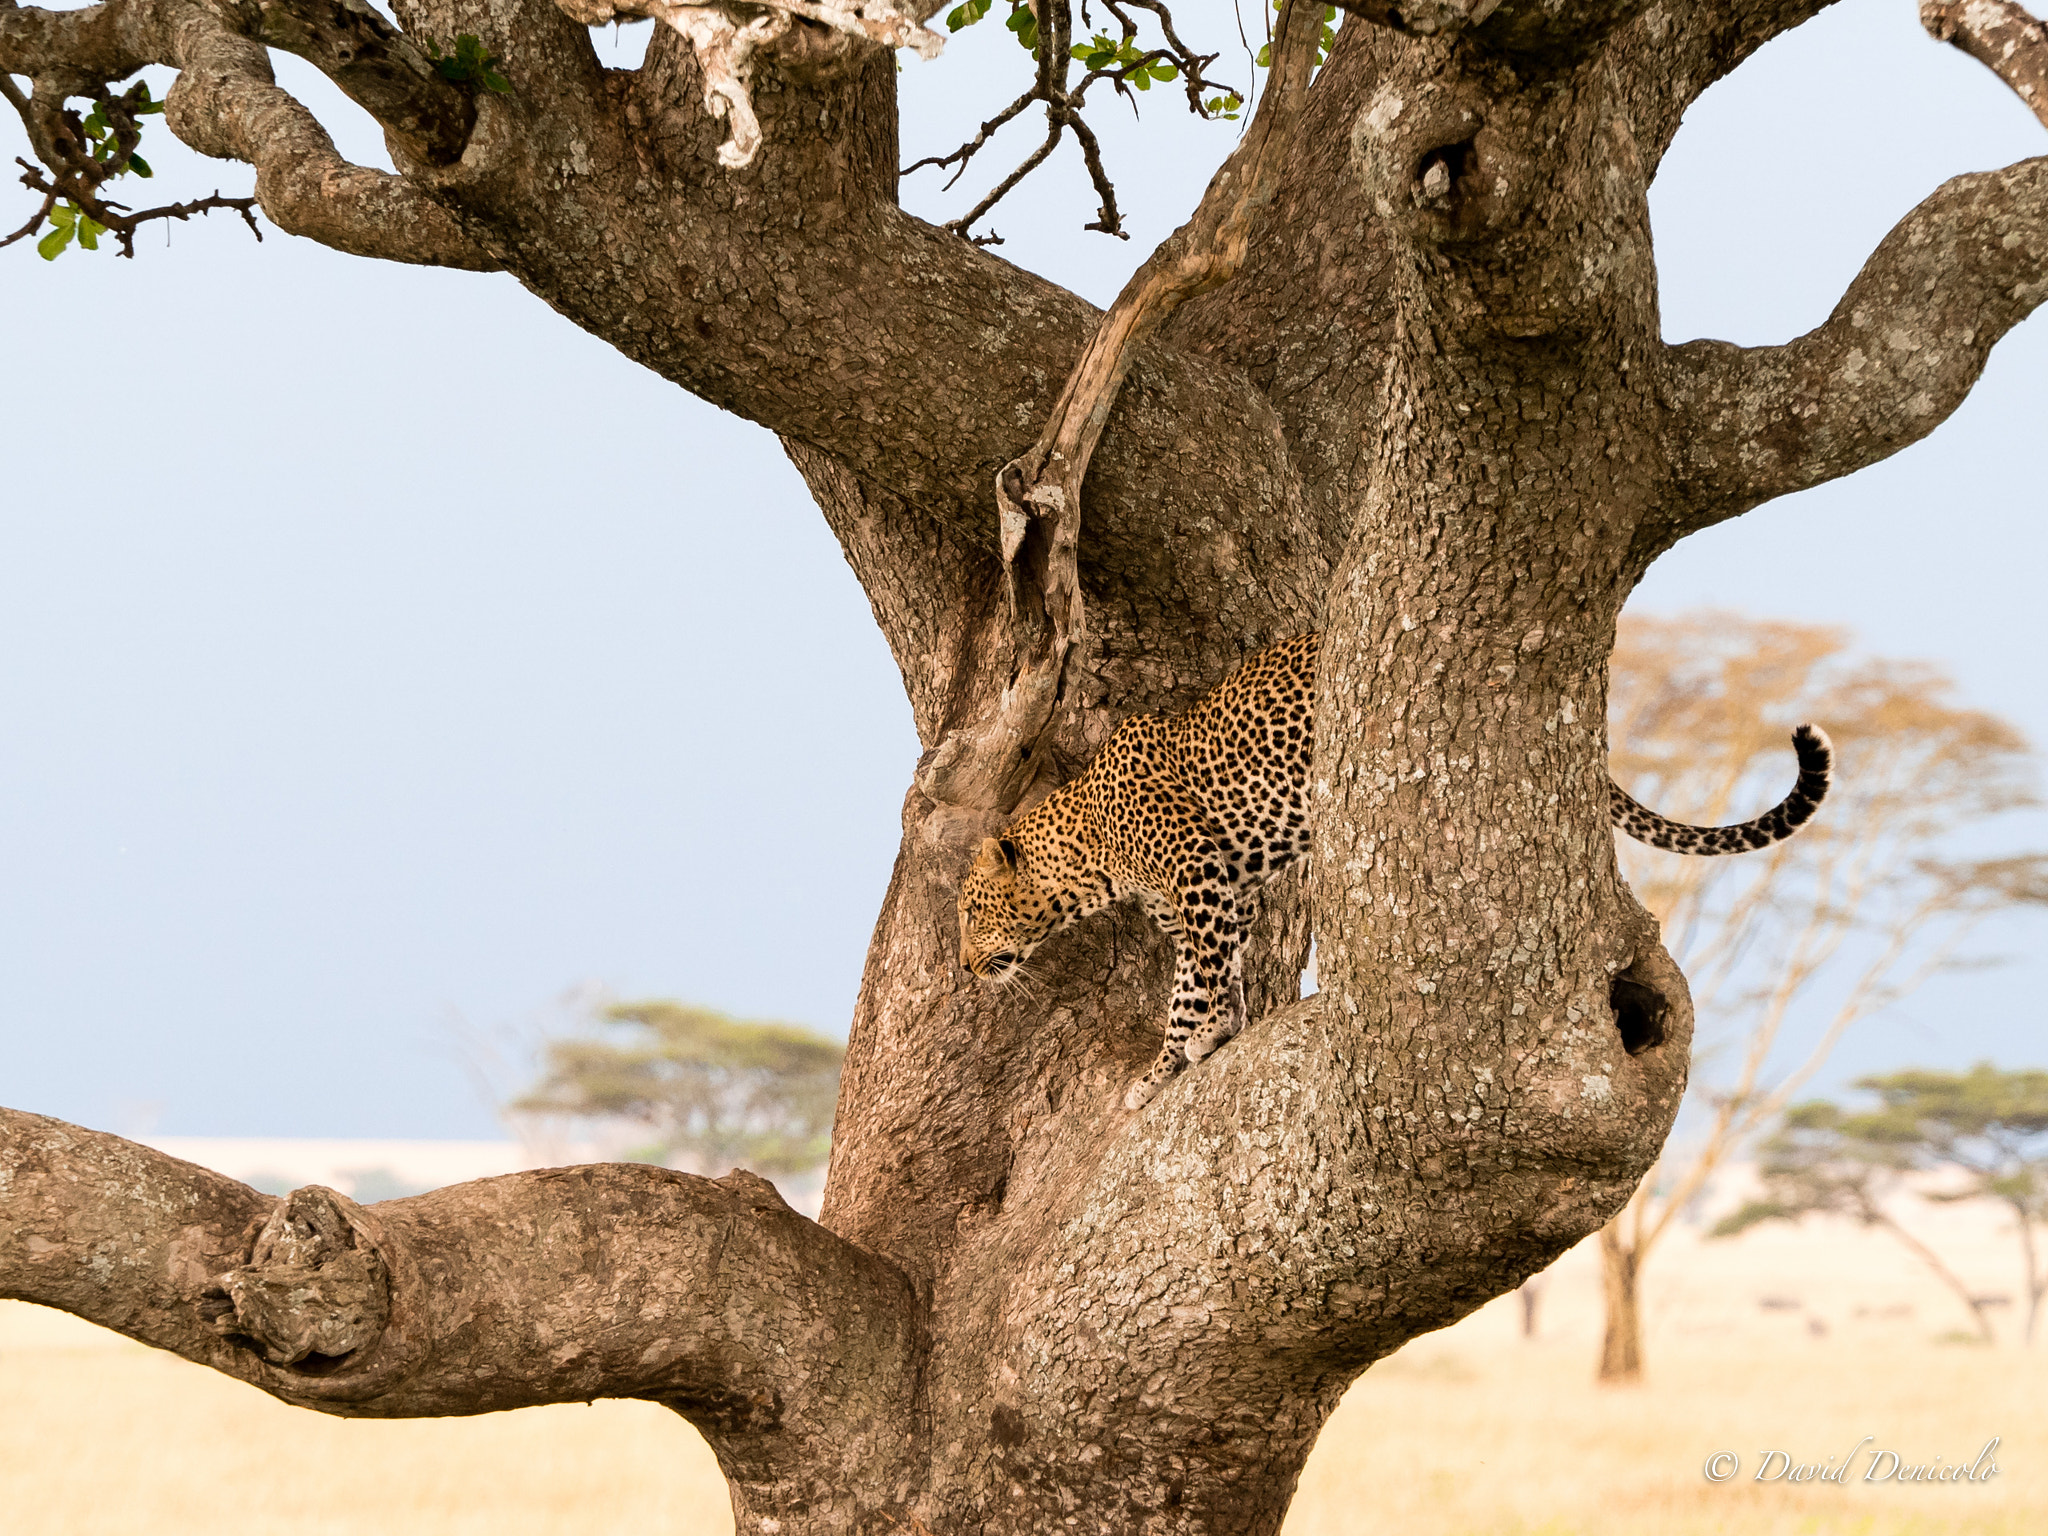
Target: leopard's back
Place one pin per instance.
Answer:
(1228, 777)
(1243, 753)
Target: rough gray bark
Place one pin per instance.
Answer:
(1432, 414)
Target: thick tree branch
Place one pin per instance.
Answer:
(1421, 18)
(989, 766)
(226, 103)
(1677, 50)
(95, 46)
(378, 68)
(1899, 353)
(1534, 31)
(725, 38)
(1542, 32)
(613, 1280)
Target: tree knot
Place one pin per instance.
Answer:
(312, 1291)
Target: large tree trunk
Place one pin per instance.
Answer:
(1433, 416)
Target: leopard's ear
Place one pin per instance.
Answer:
(998, 855)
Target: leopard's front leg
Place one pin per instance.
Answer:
(1208, 995)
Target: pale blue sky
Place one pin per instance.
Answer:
(380, 655)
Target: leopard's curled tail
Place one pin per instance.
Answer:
(1816, 769)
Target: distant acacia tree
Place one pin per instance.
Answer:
(1987, 1128)
(1836, 924)
(711, 1092)
(1823, 1160)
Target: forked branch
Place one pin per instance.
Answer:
(80, 156)
(1120, 62)
(989, 766)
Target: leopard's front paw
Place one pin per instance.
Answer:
(1142, 1092)
(1205, 1043)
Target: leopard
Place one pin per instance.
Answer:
(1191, 816)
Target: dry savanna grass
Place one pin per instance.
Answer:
(1473, 1431)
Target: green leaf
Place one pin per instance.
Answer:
(1265, 59)
(89, 234)
(51, 246)
(966, 15)
(140, 167)
(1226, 107)
(470, 64)
(63, 215)
(1024, 24)
(148, 107)
(1165, 72)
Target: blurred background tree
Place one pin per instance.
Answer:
(1986, 1129)
(709, 1091)
(1820, 1161)
(1875, 895)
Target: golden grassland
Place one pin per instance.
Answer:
(1474, 1431)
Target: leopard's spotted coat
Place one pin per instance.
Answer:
(1192, 814)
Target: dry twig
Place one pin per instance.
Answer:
(1120, 64)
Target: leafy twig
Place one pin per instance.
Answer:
(81, 155)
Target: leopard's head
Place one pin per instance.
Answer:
(1002, 916)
